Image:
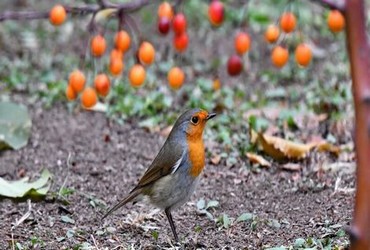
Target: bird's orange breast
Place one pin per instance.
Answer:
(196, 156)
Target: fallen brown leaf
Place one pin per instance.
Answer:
(215, 159)
(258, 159)
(292, 167)
(281, 149)
(325, 146)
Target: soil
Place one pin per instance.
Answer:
(108, 158)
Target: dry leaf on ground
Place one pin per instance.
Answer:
(215, 159)
(281, 149)
(258, 159)
(325, 146)
(292, 167)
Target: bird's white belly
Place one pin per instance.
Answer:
(172, 190)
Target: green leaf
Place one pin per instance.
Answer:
(208, 214)
(19, 246)
(155, 234)
(149, 123)
(201, 204)
(277, 248)
(60, 239)
(104, 14)
(22, 188)
(212, 204)
(274, 223)
(244, 217)
(276, 93)
(224, 220)
(259, 17)
(257, 123)
(15, 125)
(67, 219)
(70, 233)
(300, 242)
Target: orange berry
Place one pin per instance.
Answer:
(146, 53)
(77, 81)
(288, 22)
(98, 45)
(137, 75)
(102, 84)
(57, 15)
(216, 84)
(272, 33)
(175, 77)
(89, 97)
(303, 55)
(242, 43)
(116, 66)
(115, 53)
(70, 93)
(122, 41)
(165, 10)
(336, 21)
(279, 56)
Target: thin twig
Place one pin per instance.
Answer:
(24, 217)
(131, 22)
(13, 245)
(93, 239)
(65, 180)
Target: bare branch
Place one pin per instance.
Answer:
(103, 3)
(133, 6)
(25, 15)
(332, 4)
(81, 10)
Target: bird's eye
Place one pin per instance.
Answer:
(194, 119)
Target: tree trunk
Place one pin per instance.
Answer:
(359, 55)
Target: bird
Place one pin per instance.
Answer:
(174, 173)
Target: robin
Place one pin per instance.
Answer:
(173, 175)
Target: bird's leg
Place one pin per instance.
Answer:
(170, 220)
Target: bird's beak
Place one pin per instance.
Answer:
(210, 116)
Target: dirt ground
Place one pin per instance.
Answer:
(108, 158)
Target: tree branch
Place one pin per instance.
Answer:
(82, 10)
(358, 51)
(332, 4)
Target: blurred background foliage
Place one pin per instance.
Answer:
(36, 58)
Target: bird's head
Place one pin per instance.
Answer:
(192, 123)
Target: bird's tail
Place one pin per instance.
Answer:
(129, 198)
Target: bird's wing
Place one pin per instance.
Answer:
(167, 161)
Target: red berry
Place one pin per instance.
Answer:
(234, 65)
(164, 25)
(216, 12)
(181, 41)
(179, 23)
